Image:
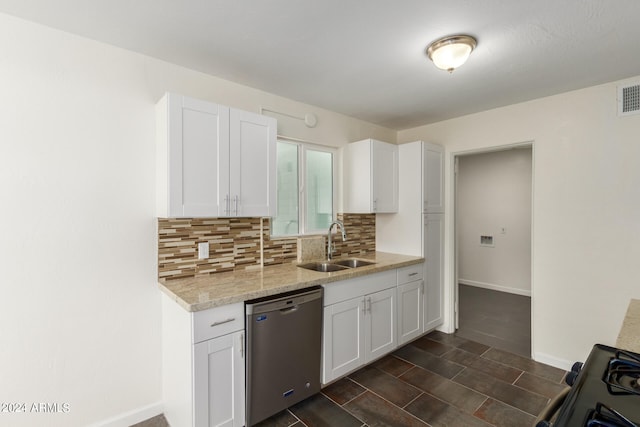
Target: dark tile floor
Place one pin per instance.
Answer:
(480, 376)
(497, 319)
(437, 380)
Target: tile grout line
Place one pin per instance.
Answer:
(390, 402)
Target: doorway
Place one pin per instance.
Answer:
(493, 217)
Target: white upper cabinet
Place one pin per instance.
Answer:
(433, 182)
(214, 161)
(252, 187)
(370, 177)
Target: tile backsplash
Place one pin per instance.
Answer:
(361, 235)
(242, 244)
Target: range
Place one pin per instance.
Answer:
(605, 391)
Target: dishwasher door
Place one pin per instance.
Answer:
(284, 344)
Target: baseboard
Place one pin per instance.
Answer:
(491, 286)
(553, 361)
(132, 417)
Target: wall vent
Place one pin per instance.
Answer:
(629, 99)
(486, 241)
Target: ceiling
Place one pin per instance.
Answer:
(365, 58)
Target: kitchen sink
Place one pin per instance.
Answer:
(324, 267)
(337, 265)
(352, 262)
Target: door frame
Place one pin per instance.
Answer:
(451, 285)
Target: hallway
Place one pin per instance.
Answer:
(497, 319)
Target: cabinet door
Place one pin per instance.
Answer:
(343, 339)
(384, 172)
(434, 251)
(433, 185)
(380, 326)
(198, 168)
(219, 381)
(252, 147)
(356, 177)
(410, 311)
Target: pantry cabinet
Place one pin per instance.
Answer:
(433, 270)
(433, 178)
(213, 161)
(370, 177)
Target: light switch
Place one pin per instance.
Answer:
(203, 250)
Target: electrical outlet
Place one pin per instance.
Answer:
(203, 250)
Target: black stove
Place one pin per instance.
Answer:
(605, 393)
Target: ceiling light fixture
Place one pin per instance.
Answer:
(448, 53)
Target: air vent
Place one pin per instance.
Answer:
(486, 241)
(628, 100)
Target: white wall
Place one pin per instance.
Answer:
(494, 199)
(586, 210)
(80, 310)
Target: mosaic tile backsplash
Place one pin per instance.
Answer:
(242, 244)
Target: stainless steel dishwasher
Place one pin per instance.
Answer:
(284, 344)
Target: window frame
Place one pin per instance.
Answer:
(303, 147)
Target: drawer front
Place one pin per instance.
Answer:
(410, 273)
(217, 321)
(352, 288)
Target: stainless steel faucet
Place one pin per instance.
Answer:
(330, 248)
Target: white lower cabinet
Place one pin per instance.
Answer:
(203, 365)
(410, 302)
(219, 381)
(358, 327)
(379, 324)
(410, 311)
(343, 340)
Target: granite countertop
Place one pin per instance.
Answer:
(629, 337)
(195, 294)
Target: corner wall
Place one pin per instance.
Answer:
(80, 309)
(586, 205)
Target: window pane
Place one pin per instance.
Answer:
(286, 223)
(319, 190)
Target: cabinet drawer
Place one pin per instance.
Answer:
(410, 273)
(352, 288)
(217, 321)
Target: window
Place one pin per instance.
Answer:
(305, 189)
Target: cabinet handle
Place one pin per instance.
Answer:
(375, 205)
(242, 346)
(235, 205)
(364, 306)
(222, 322)
(369, 304)
(226, 205)
(413, 274)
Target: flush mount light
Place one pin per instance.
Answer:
(448, 53)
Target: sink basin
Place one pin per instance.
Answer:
(338, 265)
(352, 262)
(324, 267)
